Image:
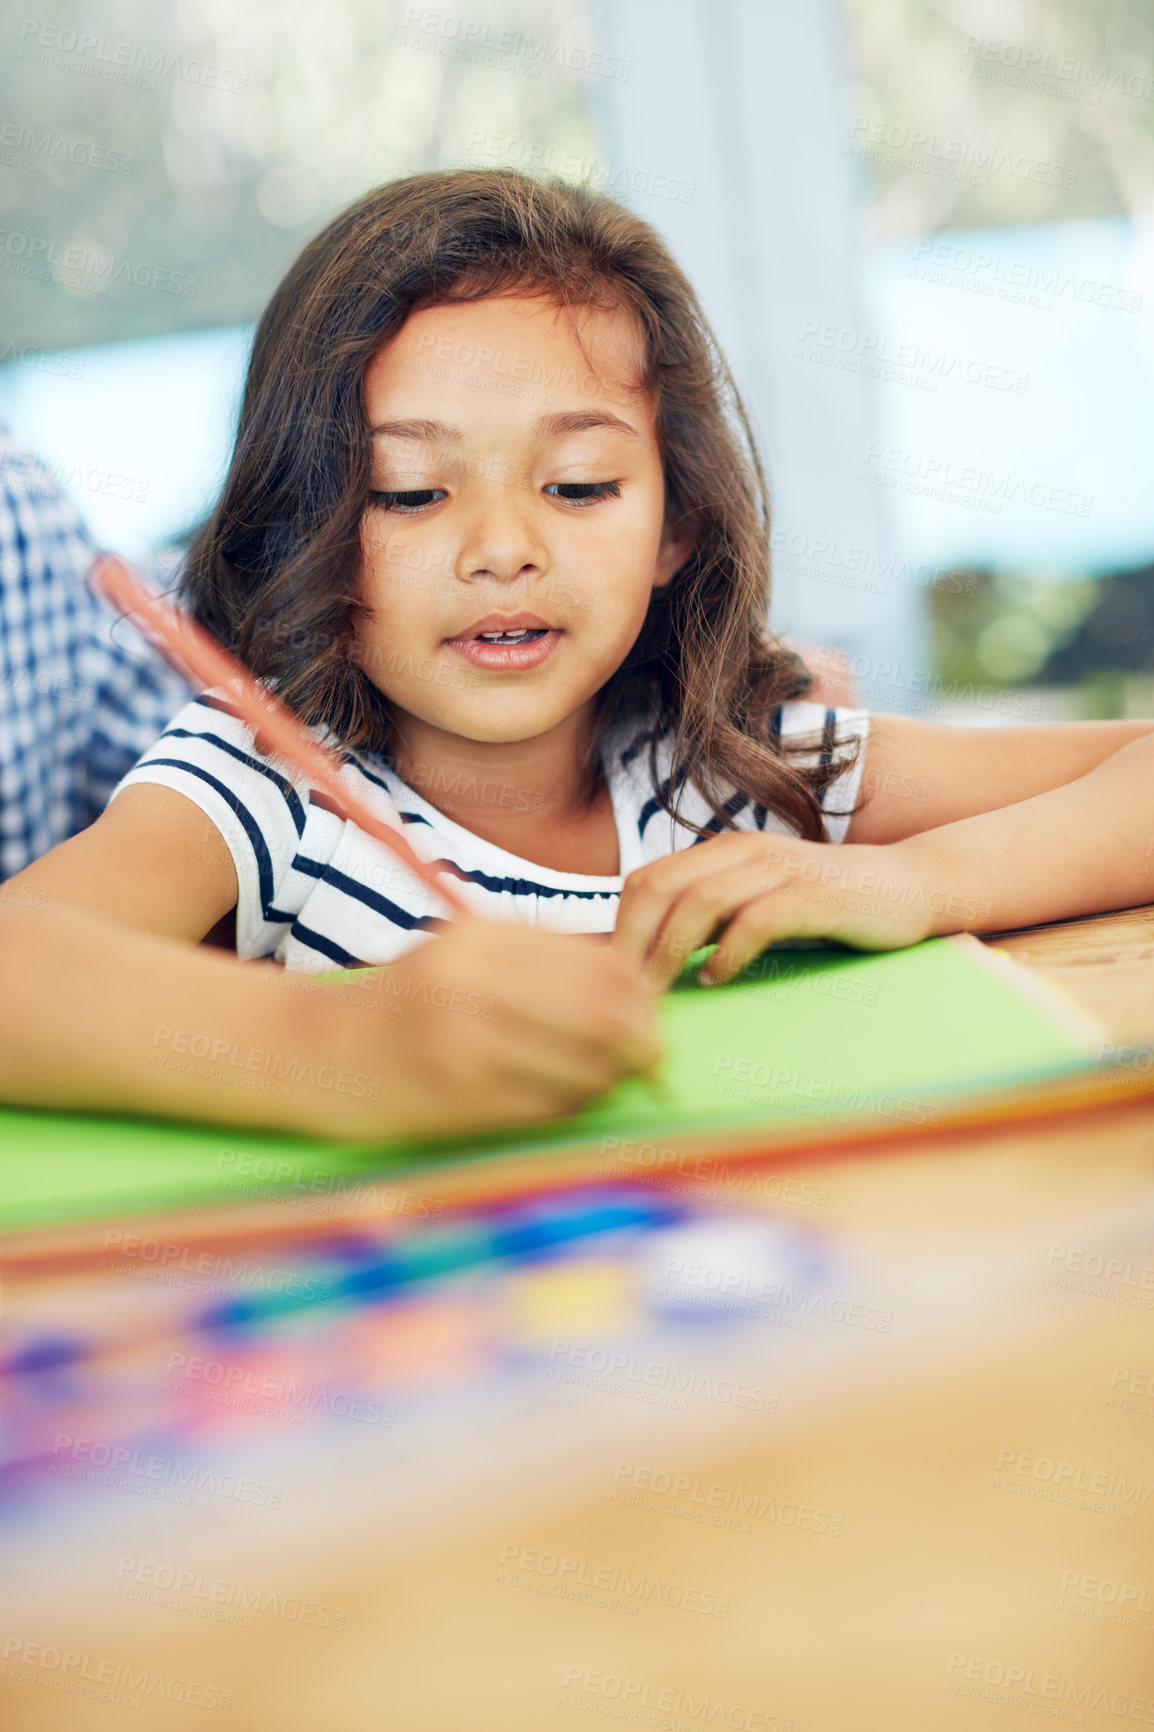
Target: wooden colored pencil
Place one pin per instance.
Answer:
(198, 657)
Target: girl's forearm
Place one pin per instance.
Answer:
(1083, 848)
(486, 1026)
(93, 1016)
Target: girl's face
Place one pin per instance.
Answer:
(517, 527)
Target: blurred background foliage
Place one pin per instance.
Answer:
(956, 70)
(1068, 84)
(1091, 640)
(307, 107)
(219, 176)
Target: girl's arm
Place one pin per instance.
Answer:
(152, 862)
(919, 775)
(1078, 848)
(483, 1027)
(1024, 825)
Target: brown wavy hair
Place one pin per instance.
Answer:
(275, 571)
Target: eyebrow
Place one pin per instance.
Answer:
(428, 431)
(577, 420)
(569, 421)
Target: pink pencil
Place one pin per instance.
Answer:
(198, 657)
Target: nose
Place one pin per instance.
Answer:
(501, 543)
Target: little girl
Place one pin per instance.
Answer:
(496, 527)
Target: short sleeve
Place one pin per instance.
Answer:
(278, 839)
(839, 736)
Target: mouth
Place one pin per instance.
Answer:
(507, 642)
(526, 634)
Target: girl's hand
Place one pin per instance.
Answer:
(743, 891)
(494, 1025)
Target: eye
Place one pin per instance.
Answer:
(583, 492)
(416, 499)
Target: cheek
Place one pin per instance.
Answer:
(623, 542)
(640, 527)
(399, 567)
(627, 558)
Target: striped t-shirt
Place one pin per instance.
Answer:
(316, 893)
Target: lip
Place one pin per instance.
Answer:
(503, 622)
(501, 657)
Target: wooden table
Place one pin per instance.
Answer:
(991, 1460)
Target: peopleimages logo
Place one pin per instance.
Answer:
(69, 50)
(1071, 1482)
(719, 1178)
(171, 1255)
(580, 1579)
(955, 264)
(104, 1680)
(1013, 1687)
(1107, 1592)
(622, 1698)
(878, 356)
(323, 1192)
(471, 39)
(989, 490)
(42, 360)
(130, 1469)
(235, 1063)
(744, 1079)
(964, 159)
(270, 1393)
(1112, 1277)
(681, 1280)
(87, 270)
(21, 146)
(993, 55)
(668, 1493)
(616, 1368)
(182, 1589)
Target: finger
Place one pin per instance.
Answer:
(560, 985)
(777, 914)
(564, 986)
(607, 1008)
(591, 993)
(629, 1032)
(525, 1102)
(565, 1071)
(508, 1101)
(703, 909)
(650, 892)
(643, 906)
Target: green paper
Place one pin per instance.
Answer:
(823, 1038)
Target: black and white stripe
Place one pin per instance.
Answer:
(317, 893)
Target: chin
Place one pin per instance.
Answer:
(499, 716)
(511, 732)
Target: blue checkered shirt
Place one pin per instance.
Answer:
(81, 694)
